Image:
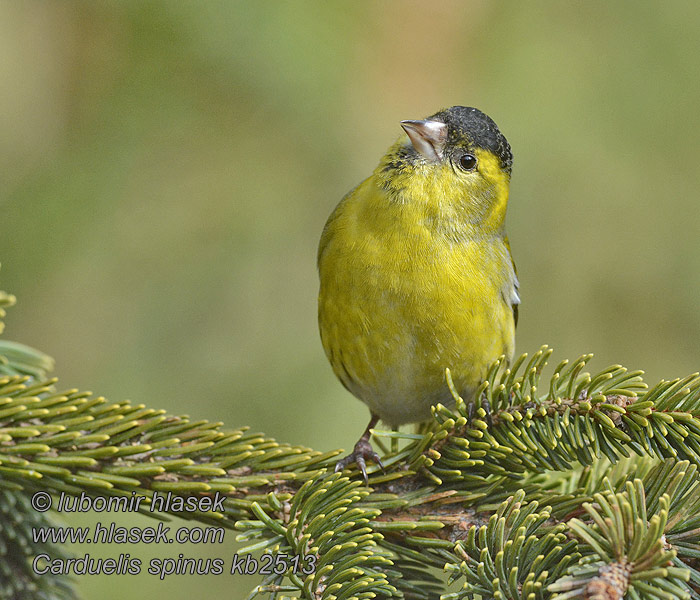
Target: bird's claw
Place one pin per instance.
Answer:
(362, 452)
(486, 405)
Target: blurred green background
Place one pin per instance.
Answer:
(166, 170)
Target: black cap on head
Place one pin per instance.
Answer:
(465, 123)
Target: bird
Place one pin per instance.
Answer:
(416, 273)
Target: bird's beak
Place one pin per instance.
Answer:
(428, 137)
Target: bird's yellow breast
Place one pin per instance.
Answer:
(408, 289)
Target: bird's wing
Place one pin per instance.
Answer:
(512, 295)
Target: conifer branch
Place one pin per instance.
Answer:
(588, 488)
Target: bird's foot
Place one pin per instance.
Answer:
(482, 403)
(362, 452)
(486, 405)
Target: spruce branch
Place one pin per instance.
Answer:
(514, 555)
(17, 518)
(580, 419)
(626, 551)
(17, 580)
(590, 487)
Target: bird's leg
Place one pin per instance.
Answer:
(486, 405)
(470, 411)
(363, 451)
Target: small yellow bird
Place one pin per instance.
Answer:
(416, 271)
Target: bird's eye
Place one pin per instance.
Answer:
(467, 162)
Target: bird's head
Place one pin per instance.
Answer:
(454, 162)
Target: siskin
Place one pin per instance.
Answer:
(416, 272)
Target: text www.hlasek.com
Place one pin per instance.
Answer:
(112, 534)
(125, 564)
